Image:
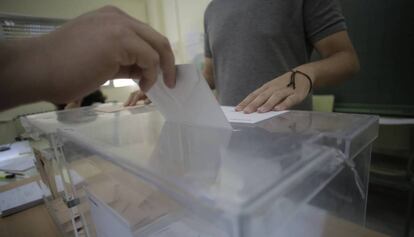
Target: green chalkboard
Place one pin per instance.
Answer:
(382, 32)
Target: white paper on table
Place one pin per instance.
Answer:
(190, 101)
(17, 165)
(19, 198)
(240, 117)
(17, 150)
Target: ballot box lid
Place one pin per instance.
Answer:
(47, 123)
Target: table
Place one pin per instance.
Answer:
(31, 222)
(36, 221)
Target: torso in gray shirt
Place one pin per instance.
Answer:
(254, 41)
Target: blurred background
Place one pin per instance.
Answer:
(381, 30)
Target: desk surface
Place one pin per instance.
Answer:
(36, 221)
(31, 222)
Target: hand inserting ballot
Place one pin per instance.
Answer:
(80, 56)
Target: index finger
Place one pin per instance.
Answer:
(160, 44)
(249, 99)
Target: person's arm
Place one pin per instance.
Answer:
(339, 62)
(208, 72)
(80, 56)
(18, 82)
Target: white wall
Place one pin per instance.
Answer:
(191, 23)
(182, 22)
(68, 9)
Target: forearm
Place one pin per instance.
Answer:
(332, 70)
(19, 72)
(210, 80)
(208, 72)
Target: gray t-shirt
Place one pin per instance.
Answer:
(252, 42)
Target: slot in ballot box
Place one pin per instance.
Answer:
(291, 175)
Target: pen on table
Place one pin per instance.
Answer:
(8, 175)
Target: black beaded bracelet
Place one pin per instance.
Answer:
(292, 82)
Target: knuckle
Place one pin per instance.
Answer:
(277, 97)
(154, 59)
(165, 43)
(249, 107)
(144, 24)
(256, 103)
(267, 85)
(243, 104)
(243, 101)
(118, 31)
(248, 98)
(267, 104)
(263, 96)
(111, 9)
(291, 100)
(254, 93)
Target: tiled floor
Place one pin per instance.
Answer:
(386, 211)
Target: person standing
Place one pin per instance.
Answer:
(257, 53)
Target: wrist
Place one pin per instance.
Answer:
(295, 74)
(308, 70)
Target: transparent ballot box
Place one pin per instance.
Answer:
(56, 182)
(297, 174)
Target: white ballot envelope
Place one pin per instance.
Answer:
(190, 101)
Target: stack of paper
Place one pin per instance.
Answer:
(240, 117)
(17, 150)
(18, 158)
(17, 165)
